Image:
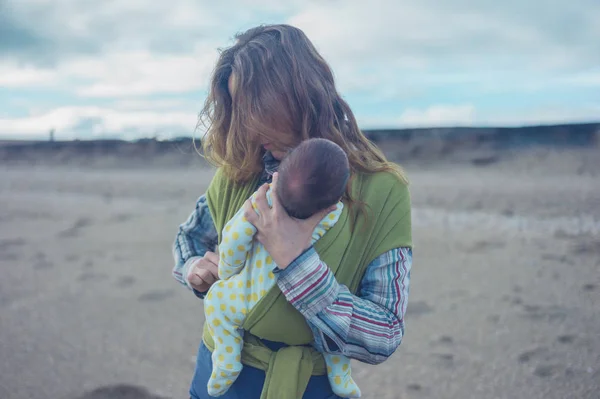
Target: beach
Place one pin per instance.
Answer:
(504, 297)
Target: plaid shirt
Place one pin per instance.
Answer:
(368, 326)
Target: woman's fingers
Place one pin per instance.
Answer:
(276, 204)
(204, 272)
(249, 212)
(205, 276)
(261, 200)
(212, 258)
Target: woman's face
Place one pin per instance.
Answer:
(277, 154)
(270, 144)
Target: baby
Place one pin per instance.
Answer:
(312, 178)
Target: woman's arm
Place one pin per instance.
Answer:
(368, 326)
(195, 237)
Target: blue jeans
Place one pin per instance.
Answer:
(249, 383)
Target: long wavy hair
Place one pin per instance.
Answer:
(283, 91)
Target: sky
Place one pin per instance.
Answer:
(132, 68)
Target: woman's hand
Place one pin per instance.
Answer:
(284, 237)
(204, 272)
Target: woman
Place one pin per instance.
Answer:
(348, 293)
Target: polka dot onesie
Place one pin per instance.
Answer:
(246, 275)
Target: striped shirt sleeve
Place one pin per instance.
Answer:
(194, 237)
(198, 233)
(368, 326)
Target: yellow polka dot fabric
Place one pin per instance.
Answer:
(340, 378)
(246, 273)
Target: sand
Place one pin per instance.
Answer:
(504, 300)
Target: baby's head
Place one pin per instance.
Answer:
(312, 177)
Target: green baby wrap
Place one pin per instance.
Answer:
(346, 251)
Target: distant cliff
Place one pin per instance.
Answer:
(500, 137)
(405, 144)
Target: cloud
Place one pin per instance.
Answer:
(463, 33)
(153, 105)
(11, 75)
(92, 122)
(142, 73)
(164, 119)
(438, 115)
(119, 74)
(86, 67)
(544, 115)
(46, 32)
(16, 33)
(68, 28)
(397, 33)
(486, 43)
(586, 79)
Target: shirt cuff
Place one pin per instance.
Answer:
(308, 284)
(187, 267)
(295, 262)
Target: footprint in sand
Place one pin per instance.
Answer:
(10, 243)
(445, 359)
(517, 301)
(566, 339)
(544, 368)
(119, 258)
(531, 354)
(564, 235)
(484, 246)
(446, 339)
(547, 370)
(485, 160)
(125, 281)
(513, 300)
(418, 308)
(544, 313)
(120, 218)
(8, 256)
(40, 262)
(108, 197)
(457, 294)
(589, 287)
(91, 276)
(156, 296)
(561, 259)
(119, 391)
(586, 247)
(43, 264)
(74, 230)
(414, 387)
(71, 258)
(508, 212)
(517, 289)
(556, 276)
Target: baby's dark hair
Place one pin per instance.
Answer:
(312, 177)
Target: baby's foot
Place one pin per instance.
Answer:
(222, 378)
(338, 371)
